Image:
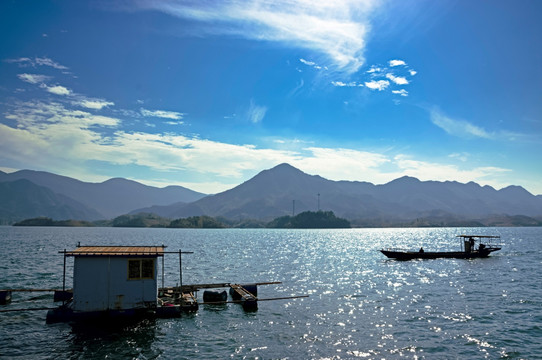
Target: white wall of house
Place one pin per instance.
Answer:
(101, 283)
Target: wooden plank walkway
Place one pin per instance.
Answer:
(196, 287)
(32, 290)
(244, 293)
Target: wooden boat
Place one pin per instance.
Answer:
(469, 250)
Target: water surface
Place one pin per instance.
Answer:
(360, 305)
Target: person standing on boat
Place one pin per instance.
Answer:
(471, 240)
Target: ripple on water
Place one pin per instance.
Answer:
(360, 305)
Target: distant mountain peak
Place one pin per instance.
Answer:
(517, 190)
(281, 171)
(405, 180)
(285, 167)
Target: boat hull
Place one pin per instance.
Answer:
(409, 255)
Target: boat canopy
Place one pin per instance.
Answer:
(480, 236)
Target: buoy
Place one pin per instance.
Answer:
(214, 296)
(5, 297)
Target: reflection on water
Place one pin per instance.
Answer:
(361, 304)
(124, 340)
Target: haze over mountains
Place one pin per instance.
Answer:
(279, 191)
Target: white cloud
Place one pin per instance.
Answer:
(458, 128)
(460, 156)
(306, 62)
(48, 62)
(50, 136)
(401, 92)
(340, 164)
(426, 171)
(377, 84)
(57, 89)
(374, 69)
(412, 72)
(60, 139)
(23, 61)
(95, 104)
(311, 63)
(337, 29)
(399, 80)
(168, 152)
(33, 78)
(397, 63)
(343, 84)
(256, 113)
(37, 61)
(173, 115)
(39, 114)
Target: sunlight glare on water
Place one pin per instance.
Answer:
(360, 304)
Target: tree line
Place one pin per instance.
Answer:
(304, 220)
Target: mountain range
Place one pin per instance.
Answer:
(80, 200)
(282, 190)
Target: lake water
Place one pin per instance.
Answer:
(360, 304)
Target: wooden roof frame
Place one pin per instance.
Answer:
(122, 251)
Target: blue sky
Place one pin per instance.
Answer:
(206, 94)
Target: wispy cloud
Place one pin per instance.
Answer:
(401, 92)
(77, 99)
(343, 84)
(310, 63)
(37, 61)
(337, 29)
(34, 78)
(456, 127)
(297, 88)
(374, 69)
(173, 115)
(459, 156)
(256, 113)
(468, 130)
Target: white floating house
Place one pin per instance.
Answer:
(115, 278)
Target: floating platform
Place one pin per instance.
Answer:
(171, 302)
(121, 282)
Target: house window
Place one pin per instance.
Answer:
(140, 269)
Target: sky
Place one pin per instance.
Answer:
(206, 94)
